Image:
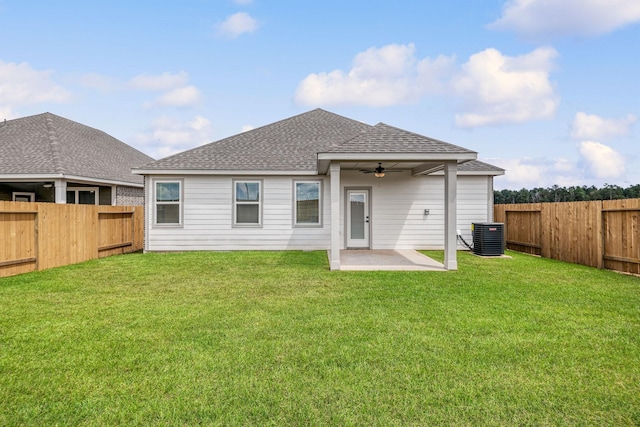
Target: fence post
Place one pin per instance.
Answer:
(599, 235)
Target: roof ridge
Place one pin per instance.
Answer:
(52, 138)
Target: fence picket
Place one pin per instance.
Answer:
(602, 234)
(37, 236)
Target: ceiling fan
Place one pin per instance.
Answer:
(378, 172)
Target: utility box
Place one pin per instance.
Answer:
(488, 238)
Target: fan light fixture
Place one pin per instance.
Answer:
(379, 171)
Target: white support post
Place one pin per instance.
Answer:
(450, 215)
(61, 191)
(334, 252)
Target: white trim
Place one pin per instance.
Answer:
(235, 203)
(25, 177)
(460, 157)
(180, 203)
(77, 190)
(471, 173)
(32, 196)
(365, 242)
(295, 204)
(334, 252)
(450, 215)
(238, 172)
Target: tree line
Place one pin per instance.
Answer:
(566, 194)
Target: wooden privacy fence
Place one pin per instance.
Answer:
(602, 234)
(37, 236)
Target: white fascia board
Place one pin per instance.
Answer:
(471, 173)
(89, 180)
(324, 159)
(220, 172)
(407, 157)
(25, 177)
(30, 177)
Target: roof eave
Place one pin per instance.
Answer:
(324, 159)
(26, 177)
(253, 172)
(472, 173)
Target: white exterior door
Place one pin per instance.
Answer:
(357, 219)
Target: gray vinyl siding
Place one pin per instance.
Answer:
(397, 220)
(208, 219)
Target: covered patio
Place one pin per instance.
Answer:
(387, 260)
(408, 151)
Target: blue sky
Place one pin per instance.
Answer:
(547, 89)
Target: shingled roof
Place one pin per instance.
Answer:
(288, 145)
(293, 145)
(48, 144)
(383, 138)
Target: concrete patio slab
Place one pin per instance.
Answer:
(387, 259)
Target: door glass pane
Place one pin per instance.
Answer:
(71, 197)
(248, 214)
(357, 216)
(87, 197)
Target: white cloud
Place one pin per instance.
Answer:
(382, 76)
(246, 128)
(177, 91)
(493, 88)
(591, 126)
(522, 173)
(497, 89)
(552, 18)
(237, 24)
(161, 82)
(168, 136)
(540, 172)
(22, 85)
(180, 97)
(602, 160)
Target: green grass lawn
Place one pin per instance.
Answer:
(274, 338)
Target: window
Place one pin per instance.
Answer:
(247, 203)
(167, 200)
(23, 197)
(83, 195)
(307, 203)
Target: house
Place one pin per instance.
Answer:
(47, 158)
(317, 181)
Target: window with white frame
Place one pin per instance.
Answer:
(247, 203)
(83, 195)
(168, 195)
(307, 203)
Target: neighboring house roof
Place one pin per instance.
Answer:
(46, 144)
(296, 144)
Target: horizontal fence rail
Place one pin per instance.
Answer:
(602, 234)
(38, 236)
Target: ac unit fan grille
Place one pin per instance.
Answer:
(488, 239)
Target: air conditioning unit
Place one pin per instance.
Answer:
(488, 238)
